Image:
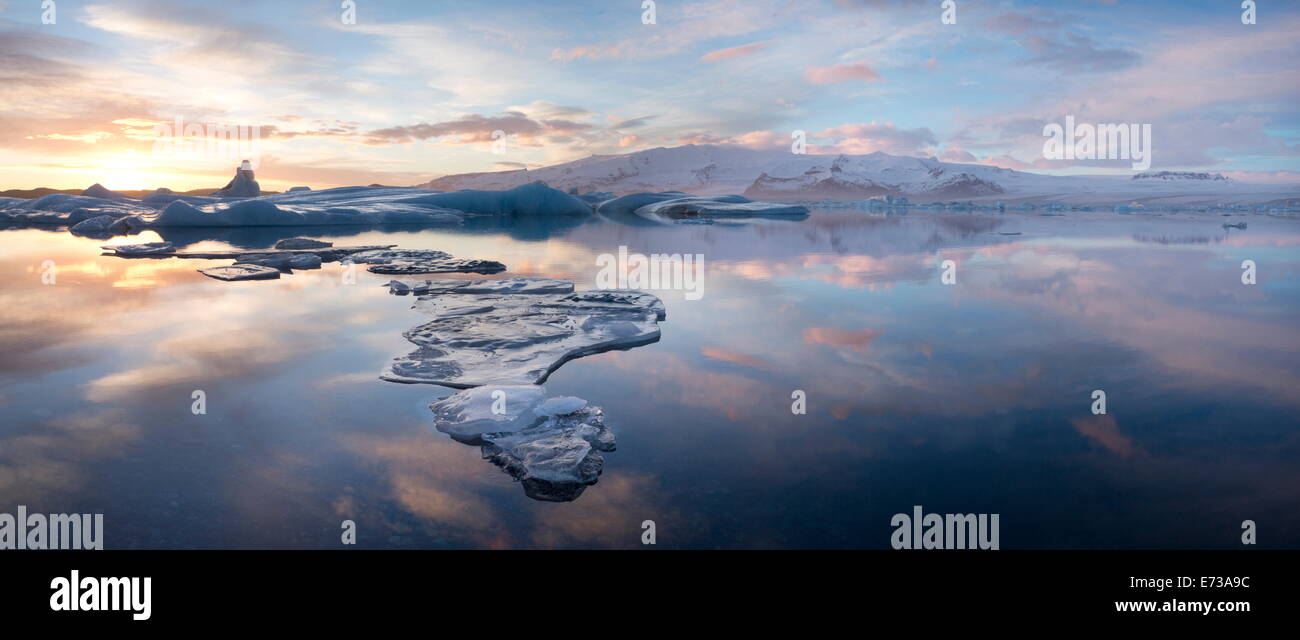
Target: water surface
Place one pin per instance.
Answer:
(972, 397)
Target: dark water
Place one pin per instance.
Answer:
(972, 397)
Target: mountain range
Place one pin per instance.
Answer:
(785, 177)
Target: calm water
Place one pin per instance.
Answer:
(972, 397)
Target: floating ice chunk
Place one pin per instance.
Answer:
(97, 226)
(302, 243)
(281, 260)
(494, 338)
(398, 255)
(449, 265)
(242, 272)
(305, 261)
(297, 189)
(469, 414)
(418, 261)
(275, 260)
(144, 249)
(550, 445)
(505, 285)
(559, 406)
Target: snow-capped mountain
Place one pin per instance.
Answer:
(1179, 175)
(709, 170)
(697, 169)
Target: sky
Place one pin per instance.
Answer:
(409, 91)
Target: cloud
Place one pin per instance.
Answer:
(1104, 432)
(957, 154)
(685, 26)
(841, 73)
(200, 40)
(1078, 53)
(857, 138)
(734, 52)
(841, 338)
(1196, 123)
(724, 355)
(475, 128)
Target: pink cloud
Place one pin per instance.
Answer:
(734, 52)
(841, 73)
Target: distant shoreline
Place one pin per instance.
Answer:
(137, 193)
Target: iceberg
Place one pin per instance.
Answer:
(243, 185)
(535, 199)
(98, 226)
(675, 206)
(551, 445)
(520, 338)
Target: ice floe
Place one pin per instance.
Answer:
(505, 285)
(550, 445)
(242, 272)
(520, 338)
(416, 261)
(281, 260)
(143, 249)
